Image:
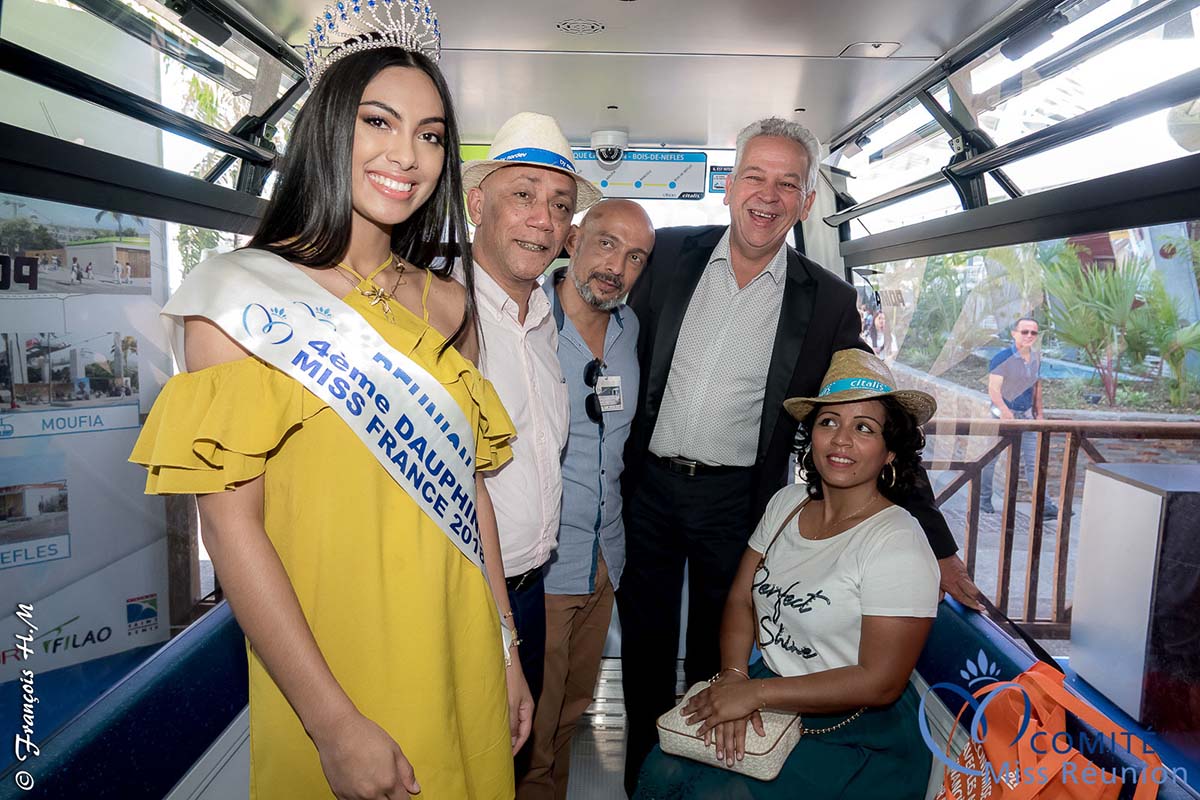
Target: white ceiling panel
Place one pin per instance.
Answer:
(690, 101)
(774, 27)
(687, 72)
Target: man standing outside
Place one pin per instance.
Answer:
(1015, 388)
(733, 321)
(522, 199)
(597, 348)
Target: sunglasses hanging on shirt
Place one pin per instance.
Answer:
(591, 374)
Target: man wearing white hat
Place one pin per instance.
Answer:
(522, 199)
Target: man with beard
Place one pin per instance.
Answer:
(522, 198)
(597, 348)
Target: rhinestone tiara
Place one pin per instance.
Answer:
(351, 26)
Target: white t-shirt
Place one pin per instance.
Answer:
(810, 596)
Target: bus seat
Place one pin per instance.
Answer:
(959, 636)
(143, 734)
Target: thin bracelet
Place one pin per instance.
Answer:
(762, 701)
(507, 615)
(733, 669)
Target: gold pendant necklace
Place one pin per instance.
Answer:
(376, 295)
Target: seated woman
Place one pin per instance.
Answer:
(839, 588)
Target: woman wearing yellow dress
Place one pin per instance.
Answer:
(363, 567)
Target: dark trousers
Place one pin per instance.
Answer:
(672, 519)
(529, 617)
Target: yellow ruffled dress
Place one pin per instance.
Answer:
(408, 625)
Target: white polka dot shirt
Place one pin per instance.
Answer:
(712, 404)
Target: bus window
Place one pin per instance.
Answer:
(147, 51)
(947, 322)
(907, 145)
(1090, 55)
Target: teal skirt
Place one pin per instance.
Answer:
(879, 756)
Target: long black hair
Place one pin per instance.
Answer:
(901, 435)
(308, 218)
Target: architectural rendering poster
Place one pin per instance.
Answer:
(52, 248)
(82, 357)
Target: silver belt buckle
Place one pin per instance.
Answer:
(689, 466)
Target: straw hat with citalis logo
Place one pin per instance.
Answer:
(531, 140)
(858, 375)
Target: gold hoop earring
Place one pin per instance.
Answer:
(891, 482)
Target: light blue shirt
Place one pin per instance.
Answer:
(593, 460)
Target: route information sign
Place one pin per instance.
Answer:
(648, 174)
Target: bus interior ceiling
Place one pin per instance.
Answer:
(684, 73)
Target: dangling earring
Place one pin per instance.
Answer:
(801, 457)
(891, 481)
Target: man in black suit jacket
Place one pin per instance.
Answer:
(696, 498)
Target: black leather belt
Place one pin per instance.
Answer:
(519, 583)
(686, 466)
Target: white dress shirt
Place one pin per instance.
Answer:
(521, 361)
(712, 405)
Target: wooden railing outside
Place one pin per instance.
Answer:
(1053, 622)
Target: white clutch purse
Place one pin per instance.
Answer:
(764, 754)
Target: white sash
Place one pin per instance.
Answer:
(400, 412)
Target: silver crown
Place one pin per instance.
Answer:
(351, 26)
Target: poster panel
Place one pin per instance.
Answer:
(121, 606)
(82, 357)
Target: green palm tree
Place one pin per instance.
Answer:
(118, 218)
(1164, 329)
(1094, 307)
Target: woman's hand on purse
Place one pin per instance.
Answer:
(520, 704)
(730, 737)
(724, 701)
(362, 762)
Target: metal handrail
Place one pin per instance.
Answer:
(235, 16)
(1163, 95)
(35, 67)
(49, 168)
(1094, 428)
(917, 187)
